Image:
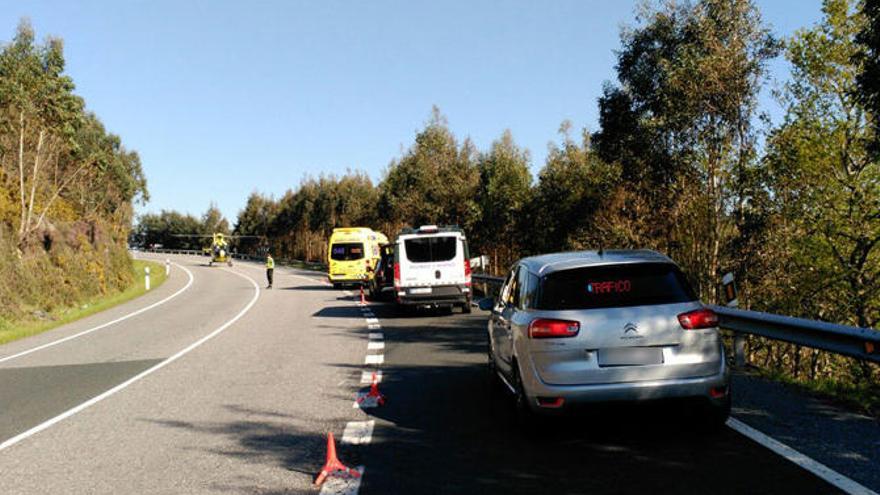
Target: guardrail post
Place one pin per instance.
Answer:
(739, 349)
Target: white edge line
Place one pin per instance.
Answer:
(358, 432)
(367, 377)
(104, 325)
(94, 400)
(343, 486)
(822, 471)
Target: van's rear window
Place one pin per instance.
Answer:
(347, 251)
(427, 249)
(614, 286)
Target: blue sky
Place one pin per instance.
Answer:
(221, 98)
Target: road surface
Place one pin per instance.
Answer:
(226, 387)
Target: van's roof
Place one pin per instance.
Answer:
(548, 263)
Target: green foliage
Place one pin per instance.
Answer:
(434, 182)
(827, 184)
(503, 194)
(869, 76)
(66, 186)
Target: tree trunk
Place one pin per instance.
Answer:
(21, 173)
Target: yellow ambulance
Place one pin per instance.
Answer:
(353, 254)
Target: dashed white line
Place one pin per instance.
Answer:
(372, 321)
(105, 325)
(367, 377)
(348, 485)
(358, 432)
(375, 346)
(374, 359)
(826, 473)
(374, 326)
(376, 336)
(94, 400)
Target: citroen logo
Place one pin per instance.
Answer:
(630, 327)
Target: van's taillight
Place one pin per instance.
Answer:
(547, 329)
(700, 318)
(397, 275)
(467, 273)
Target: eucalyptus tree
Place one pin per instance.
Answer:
(826, 184)
(504, 192)
(435, 181)
(680, 125)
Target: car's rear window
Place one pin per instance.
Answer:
(614, 286)
(347, 251)
(428, 249)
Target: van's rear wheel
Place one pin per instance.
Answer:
(466, 307)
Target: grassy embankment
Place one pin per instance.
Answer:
(15, 330)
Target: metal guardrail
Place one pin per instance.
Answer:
(238, 256)
(859, 343)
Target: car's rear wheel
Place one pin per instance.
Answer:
(525, 417)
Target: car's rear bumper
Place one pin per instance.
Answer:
(443, 294)
(706, 387)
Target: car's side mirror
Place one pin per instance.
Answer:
(486, 304)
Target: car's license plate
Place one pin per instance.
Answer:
(420, 290)
(630, 356)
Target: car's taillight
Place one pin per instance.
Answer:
(547, 329)
(467, 272)
(700, 318)
(397, 275)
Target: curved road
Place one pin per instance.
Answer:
(230, 388)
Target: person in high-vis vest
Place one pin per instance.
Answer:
(270, 269)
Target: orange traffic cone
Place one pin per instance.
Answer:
(363, 300)
(333, 465)
(374, 392)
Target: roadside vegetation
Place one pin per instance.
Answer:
(682, 162)
(41, 321)
(67, 187)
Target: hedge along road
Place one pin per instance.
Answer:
(247, 410)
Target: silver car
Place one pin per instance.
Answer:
(585, 327)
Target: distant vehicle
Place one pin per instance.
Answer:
(382, 283)
(583, 327)
(353, 254)
(432, 268)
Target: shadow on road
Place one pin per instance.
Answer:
(447, 429)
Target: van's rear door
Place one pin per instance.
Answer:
(429, 260)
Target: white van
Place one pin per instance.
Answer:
(432, 267)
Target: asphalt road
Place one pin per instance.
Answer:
(247, 408)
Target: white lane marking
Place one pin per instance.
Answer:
(367, 377)
(364, 401)
(358, 432)
(105, 325)
(826, 473)
(374, 326)
(342, 484)
(347, 292)
(94, 400)
(374, 359)
(376, 336)
(372, 321)
(375, 346)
